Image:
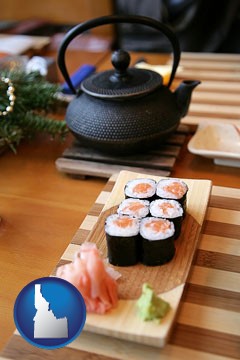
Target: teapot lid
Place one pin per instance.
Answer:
(122, 82)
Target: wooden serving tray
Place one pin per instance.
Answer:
(167, 280)
(207, 325)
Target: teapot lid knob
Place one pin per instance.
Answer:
(120, 61)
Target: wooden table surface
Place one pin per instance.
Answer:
(41, 209)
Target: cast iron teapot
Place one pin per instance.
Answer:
(125, 110)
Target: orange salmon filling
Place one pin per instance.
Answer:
(158, 225)
(142, 188)
(175, 188)
(123, 222)
(134, 206)
(165, 207)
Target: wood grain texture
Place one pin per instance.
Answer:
(209, 292)
(167, 280)
(209, 341)
(103, 170)
(207, 324)
(25, 351)
(217, 98)
(211, 297)
(79, 160)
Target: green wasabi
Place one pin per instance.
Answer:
(150, 306)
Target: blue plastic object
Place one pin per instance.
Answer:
(77, 77)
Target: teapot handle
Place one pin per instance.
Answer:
(116, 19)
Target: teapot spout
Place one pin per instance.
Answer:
(183, 95)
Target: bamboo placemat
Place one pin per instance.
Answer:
(217, 97)
(208, 323)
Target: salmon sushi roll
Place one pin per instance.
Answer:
(157, 241)
(122, 235)
(144, 189)
(173, 189)
(168, 209)
(134, 207)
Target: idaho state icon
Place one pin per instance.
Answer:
(49, 312)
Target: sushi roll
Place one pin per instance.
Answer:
(143, 189)
(157, 241)
(122, 234)
(174, 189)
(168, 209)
(134, 207)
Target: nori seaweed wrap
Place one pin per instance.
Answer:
(157, 241)
(123, 240)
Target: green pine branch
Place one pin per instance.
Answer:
(10, 135)
(33, 123)
(35, 98)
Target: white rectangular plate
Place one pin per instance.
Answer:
(220, 142)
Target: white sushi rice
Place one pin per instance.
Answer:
(127, 207)
(112, 228)
(166, 208)
(131, 186)
(163, 192)
(147, 230)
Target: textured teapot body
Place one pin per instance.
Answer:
(125, 110)
(124, 126)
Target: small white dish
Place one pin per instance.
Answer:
(220, 142)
